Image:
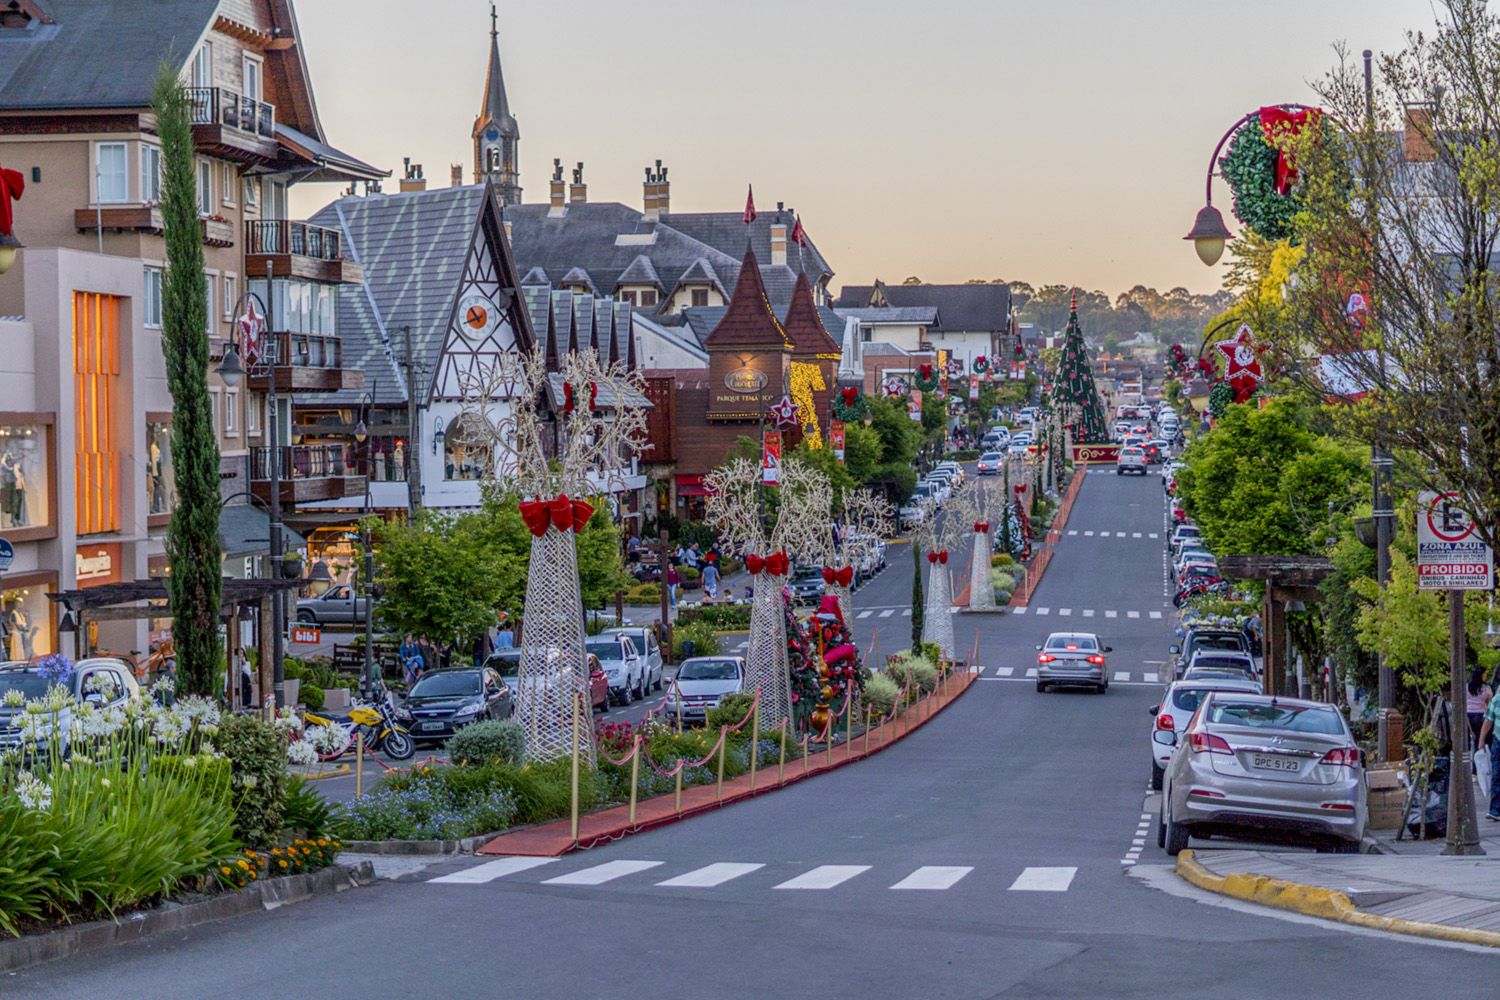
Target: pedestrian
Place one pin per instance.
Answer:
(633, 550)
(692, 558)
(245, 679)
(710, 579)
(1477, 701)
(429, 652)
(410, 655)
(1489, 732)
(482, 647)
(505, 638)
(678, 555)
(674, 577)
(445, 655)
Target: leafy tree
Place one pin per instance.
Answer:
(600, 570)
(863, 452)
(194, 552)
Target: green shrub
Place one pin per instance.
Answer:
(312, 696)
(923, 668)
(1002, 559)
(257, 758)
(706, 643)
(488, 742)
(962, 455)
(1001, 580)
(730, 710)
(722, 617)
(926, 674)
(689, 573)
(881, 693)
(434, 804)
(306, 812)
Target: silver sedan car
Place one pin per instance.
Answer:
(1271, 767)
(1072, 658)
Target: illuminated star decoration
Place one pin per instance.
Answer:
(894, 387)
(785, 414)
(1241, 365)
(251, 327)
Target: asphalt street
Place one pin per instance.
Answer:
(1005, 850)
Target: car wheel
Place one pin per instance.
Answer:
(1157, 773)
(1175, 836)
(640, 692)
(307, 617)
(659, 681)
(1161, 823)
(1102, 689)
(626, 696)
(1041, 687)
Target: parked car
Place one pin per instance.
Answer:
(622, 664)
(507, 663)
(1223, 659)
(1258, 765)
(1180, 535)
(1171, 717)
(1200, 638)
(1072, 658)
(702, 682)
(645, 642)
(806, 585)
(990, 463)
(444, 701)
(1131, 459)
(99, 680)
(335, 606)
(955, 472)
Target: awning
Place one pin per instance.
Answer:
(246, 530)
(691, 486)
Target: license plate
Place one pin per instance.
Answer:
(1275, 763)
(428, 727)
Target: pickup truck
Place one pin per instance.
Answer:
(335, 606)
(1132, 459)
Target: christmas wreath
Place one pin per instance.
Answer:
(1262, 176)
(1020, 349)
(981, 364)
(849, 404)
(927, 378)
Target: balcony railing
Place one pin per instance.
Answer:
(298, 461)
(279, 236)
(218, 106)
(304, 350)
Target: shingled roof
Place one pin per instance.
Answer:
(966, 308)
(804, 324)
(749, 320)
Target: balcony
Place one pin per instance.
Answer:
(308, 472)
(232, 125)
(303, 362)
(298, 250)
(147, 218)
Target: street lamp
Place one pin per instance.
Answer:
(1198, 392)
(8, 247)
(362, 434)
(230, 369)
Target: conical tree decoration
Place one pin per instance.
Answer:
(1073, 389)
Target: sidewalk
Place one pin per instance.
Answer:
(1409, 888)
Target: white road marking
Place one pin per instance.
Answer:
(1071, 533)
(933, 877)
(823, 877)
(1043, 611)
(887, 612)
(1044, 880)
(864, 614)
(1135, 534)
(711, 875)
(1064, 611)
(1156, 614)
(491, 870)
(1103, 534)
(1149, 678)
(1138, 842)
(1018, 611)
(906, 613)
(1004, 671)
(599, 874)
(1121, 675)
(1153, 535)
(1088, 613)
(1132, 614)
(1031, 672)
(1111, 614)
(1088, 534)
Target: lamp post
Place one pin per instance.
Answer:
(362, 436)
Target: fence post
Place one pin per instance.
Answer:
(677, 802)
(754, 738)
(575, 769)
(915, 706)
(849, 719)
(781, 765)
(635, 776)
(806, 757)
(867, 729)
(723, 748)
(359, 764)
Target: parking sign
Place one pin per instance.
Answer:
(1450, 553)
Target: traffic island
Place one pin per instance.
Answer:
(552, 840)
(1459, 897)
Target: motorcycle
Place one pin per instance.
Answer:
(376, 721)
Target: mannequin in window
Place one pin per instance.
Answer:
(9, 472)
(158, 485)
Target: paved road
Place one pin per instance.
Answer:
(1000, 852)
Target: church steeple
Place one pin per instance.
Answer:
(496, 134)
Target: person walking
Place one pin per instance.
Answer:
(1489, 732)
(505, 638)
(410, 655)
(674, 577)
(1478, 700)
(711, 579)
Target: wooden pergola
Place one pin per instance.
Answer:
(1287, 578)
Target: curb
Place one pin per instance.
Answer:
(18, 953)
(1314, 901)
(466, 845)
(341, 771)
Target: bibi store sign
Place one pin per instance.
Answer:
(97, 564)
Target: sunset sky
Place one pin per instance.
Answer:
(1045, 140)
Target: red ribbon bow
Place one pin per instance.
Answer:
(850, 394)
(943, 556)
(568, 397)
(561, 513)
(938, 557)
(1277, 122)
(932, 557)
(842, 577)
(775, 564)
(1019, 490)
(983, 526)
(926, 371)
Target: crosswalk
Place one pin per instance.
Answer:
(1115, 677)
(1044, 611)
(819, 878)
(884, 612)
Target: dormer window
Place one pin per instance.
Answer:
(700, 297)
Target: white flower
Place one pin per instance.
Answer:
(14, 698)
(104, 782)
(301, 752)
(33, 792)
(330, 740)
(190, 762)
(35, 728)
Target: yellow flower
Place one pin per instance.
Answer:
(322, 842)
(225, 869)
(281, 863)
(244, 864)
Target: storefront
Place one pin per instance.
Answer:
(28, 625)
(27, 502)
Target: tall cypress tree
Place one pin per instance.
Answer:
(194, 586)
(1073, 385)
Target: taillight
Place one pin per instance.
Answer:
(1346, 756)
(1164, 722)
(1207, 743)
(1096, 658)
(1045, 658)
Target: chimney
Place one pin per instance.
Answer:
(778, 243)
(559, 191)
(413, 181)
(579, 193)
(507, 230)
(457, 175)
(657, 193)
(1416, 141)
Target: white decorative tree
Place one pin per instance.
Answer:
(802, 515)
(938, 534)
(601, 410)
(868, 520)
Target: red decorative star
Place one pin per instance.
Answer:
(1241, 363)
(785, 414)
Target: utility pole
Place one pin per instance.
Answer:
(413, 429)
(273, 422)
(1463, 823)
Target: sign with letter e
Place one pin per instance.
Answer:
(1450, 553)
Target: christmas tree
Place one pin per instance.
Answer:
(1073, 386)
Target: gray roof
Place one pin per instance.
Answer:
(246, 529)
(973, 308)
(727, 233)
(578, 276)
(881, 347)
(336, 164)
(926, 315)
(640, 272)
(99, 53)
(496, 107)
(412, 247)
(685, 336)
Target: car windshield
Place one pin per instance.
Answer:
(1206, 674)
(1219, 642)
(606, 649)
(990, 456)
(30, 685)
(1187, 699)
(1199, 569)
(1131, 451)
(922, 492)
(508, 663)
(1068, 643)
(1259, 715)
(447, 685)
(1223, 663)
(709, 670)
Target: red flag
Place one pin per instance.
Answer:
(750, 205)
(799, 236)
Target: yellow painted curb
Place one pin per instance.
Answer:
(1329, 904)
(337, 772)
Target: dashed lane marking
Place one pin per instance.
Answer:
(864, 614)
(491, 870)
(1044, 880)
(887, 612)
(711, 875)
(823, 877)
(599, 874)
(933, 877)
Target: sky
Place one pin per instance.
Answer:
(1049, 141)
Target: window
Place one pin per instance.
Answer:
(275, 207)
(466, 449)
(229, 297)
(205, 188)
(700, 297)
(252, 79)
(24, 489)
(628, 297)
(648, 298)
(161, 482)
(111, 180)
(152, 304)
(252, 191)
(203, 66)
(208, 303)
(231, 403)
(28, 632)
(867, 333)
(252, 413)
(150, 172)
(229, 191)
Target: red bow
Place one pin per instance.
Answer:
(926, 371)
(850, 395)
(983, 526)
(561, 513)
(1277, 122)
(938, 557)
(568, 397)
(12, 184)
(1019, 490)
(842, 577)
(775, 564)
(943, 556)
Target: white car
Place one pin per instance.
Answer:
(990, 463)
(954, 468)
(1132, 459)
(702, 682)
(645, 639)
(1180, 535)
(1019, 447)
(941, 490)
(1178, 704)
(622, 664)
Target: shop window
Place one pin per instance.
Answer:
(466, 449)
(161, 482)
(26, 623)
(24, 489)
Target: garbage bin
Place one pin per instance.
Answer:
(689, 648)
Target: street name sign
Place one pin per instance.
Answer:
(1450, 553)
